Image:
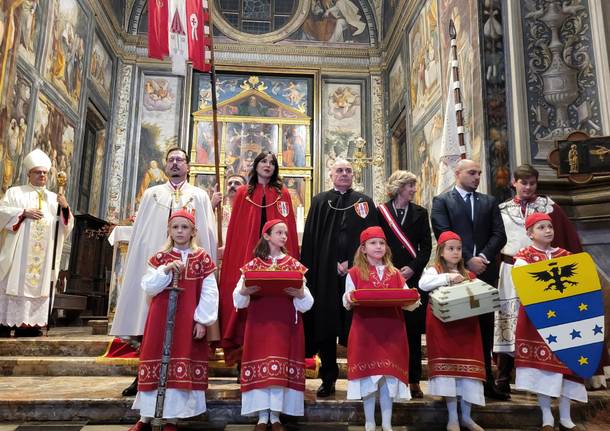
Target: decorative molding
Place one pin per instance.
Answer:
(378, 134)
(119, 143)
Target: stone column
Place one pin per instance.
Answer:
(119, 143)
(378, 148)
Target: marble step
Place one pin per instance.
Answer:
(77, 345)
(97, 400)
(88, 366)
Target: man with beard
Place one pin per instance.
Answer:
(149, 234)
(330, 240)
(232, 183)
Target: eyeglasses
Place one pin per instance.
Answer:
(176, 160)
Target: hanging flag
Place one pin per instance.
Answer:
(451, 151)
(157, 29)
(198, 34)
(178, 46)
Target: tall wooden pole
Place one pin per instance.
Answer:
(457, 92)
(215, 122)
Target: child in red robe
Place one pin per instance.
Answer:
(197, 308)
(455, 352)
(377, 347)
(546, 378)
(273, 360)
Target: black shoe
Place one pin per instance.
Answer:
(493, 392)
(5, 331)
(28, 331)
(416, 391)
(132, 389)
(326, 389)
(503, 386)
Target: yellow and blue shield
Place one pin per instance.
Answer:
(563, 300)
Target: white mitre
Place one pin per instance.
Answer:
(36, 159)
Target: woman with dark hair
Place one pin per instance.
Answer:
(263, 198)
(407, 229)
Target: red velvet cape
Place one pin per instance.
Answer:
(274, 341)
(377, 343)
(188, 367)
(242, 235)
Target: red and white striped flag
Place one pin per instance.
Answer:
(184, 35)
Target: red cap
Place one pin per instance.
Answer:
(446, 236)
(183, 213)
(370, 233)
(270, 224)
(532, 219)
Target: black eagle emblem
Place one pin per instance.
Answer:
(557, 275)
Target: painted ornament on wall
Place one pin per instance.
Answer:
(100, 70)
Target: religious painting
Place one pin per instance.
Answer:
(204, 152)
(465, 17)
(294, 144)
(396, 78)
(424, 60)
(160, 101)
(54, 134)
(30, 19)
(296, 189)
(291, 91)
(334, 21)
(245, 141)
(425, 161)
(12, 137)
(206, 182)
(100, 70)
(98, 167)
(341, 123)
(66, 49)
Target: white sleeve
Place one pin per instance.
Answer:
(349, 287)
(305, 303)
(239, 300)
(431, 279)
(206, 312)
(155, 280)
(519, 262)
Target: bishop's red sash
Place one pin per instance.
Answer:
(530, 349)
(404, 240)
(188, 366)
(454, 348)
(377, 343)
(274, 341)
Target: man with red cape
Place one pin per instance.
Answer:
(263, 198)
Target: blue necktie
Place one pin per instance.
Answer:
(469, 204)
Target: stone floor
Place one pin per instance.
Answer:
(42, 389)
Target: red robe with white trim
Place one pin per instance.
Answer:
(188, 367)
(530, 349)
(454, 348)
(242, 235)
(274, 341)
(377, 343)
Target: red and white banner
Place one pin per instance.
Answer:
(158, 37)
(179, 28)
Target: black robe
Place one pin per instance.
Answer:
(331, 236)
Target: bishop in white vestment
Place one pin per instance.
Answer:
(28, 217)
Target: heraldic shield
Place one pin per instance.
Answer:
(563, 300)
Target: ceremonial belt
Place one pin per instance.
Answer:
(397, 230)
(508, 259)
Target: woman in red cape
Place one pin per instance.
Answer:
(263, 198)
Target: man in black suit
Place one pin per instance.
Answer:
(476, 218)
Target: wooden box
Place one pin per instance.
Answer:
(466, 299)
